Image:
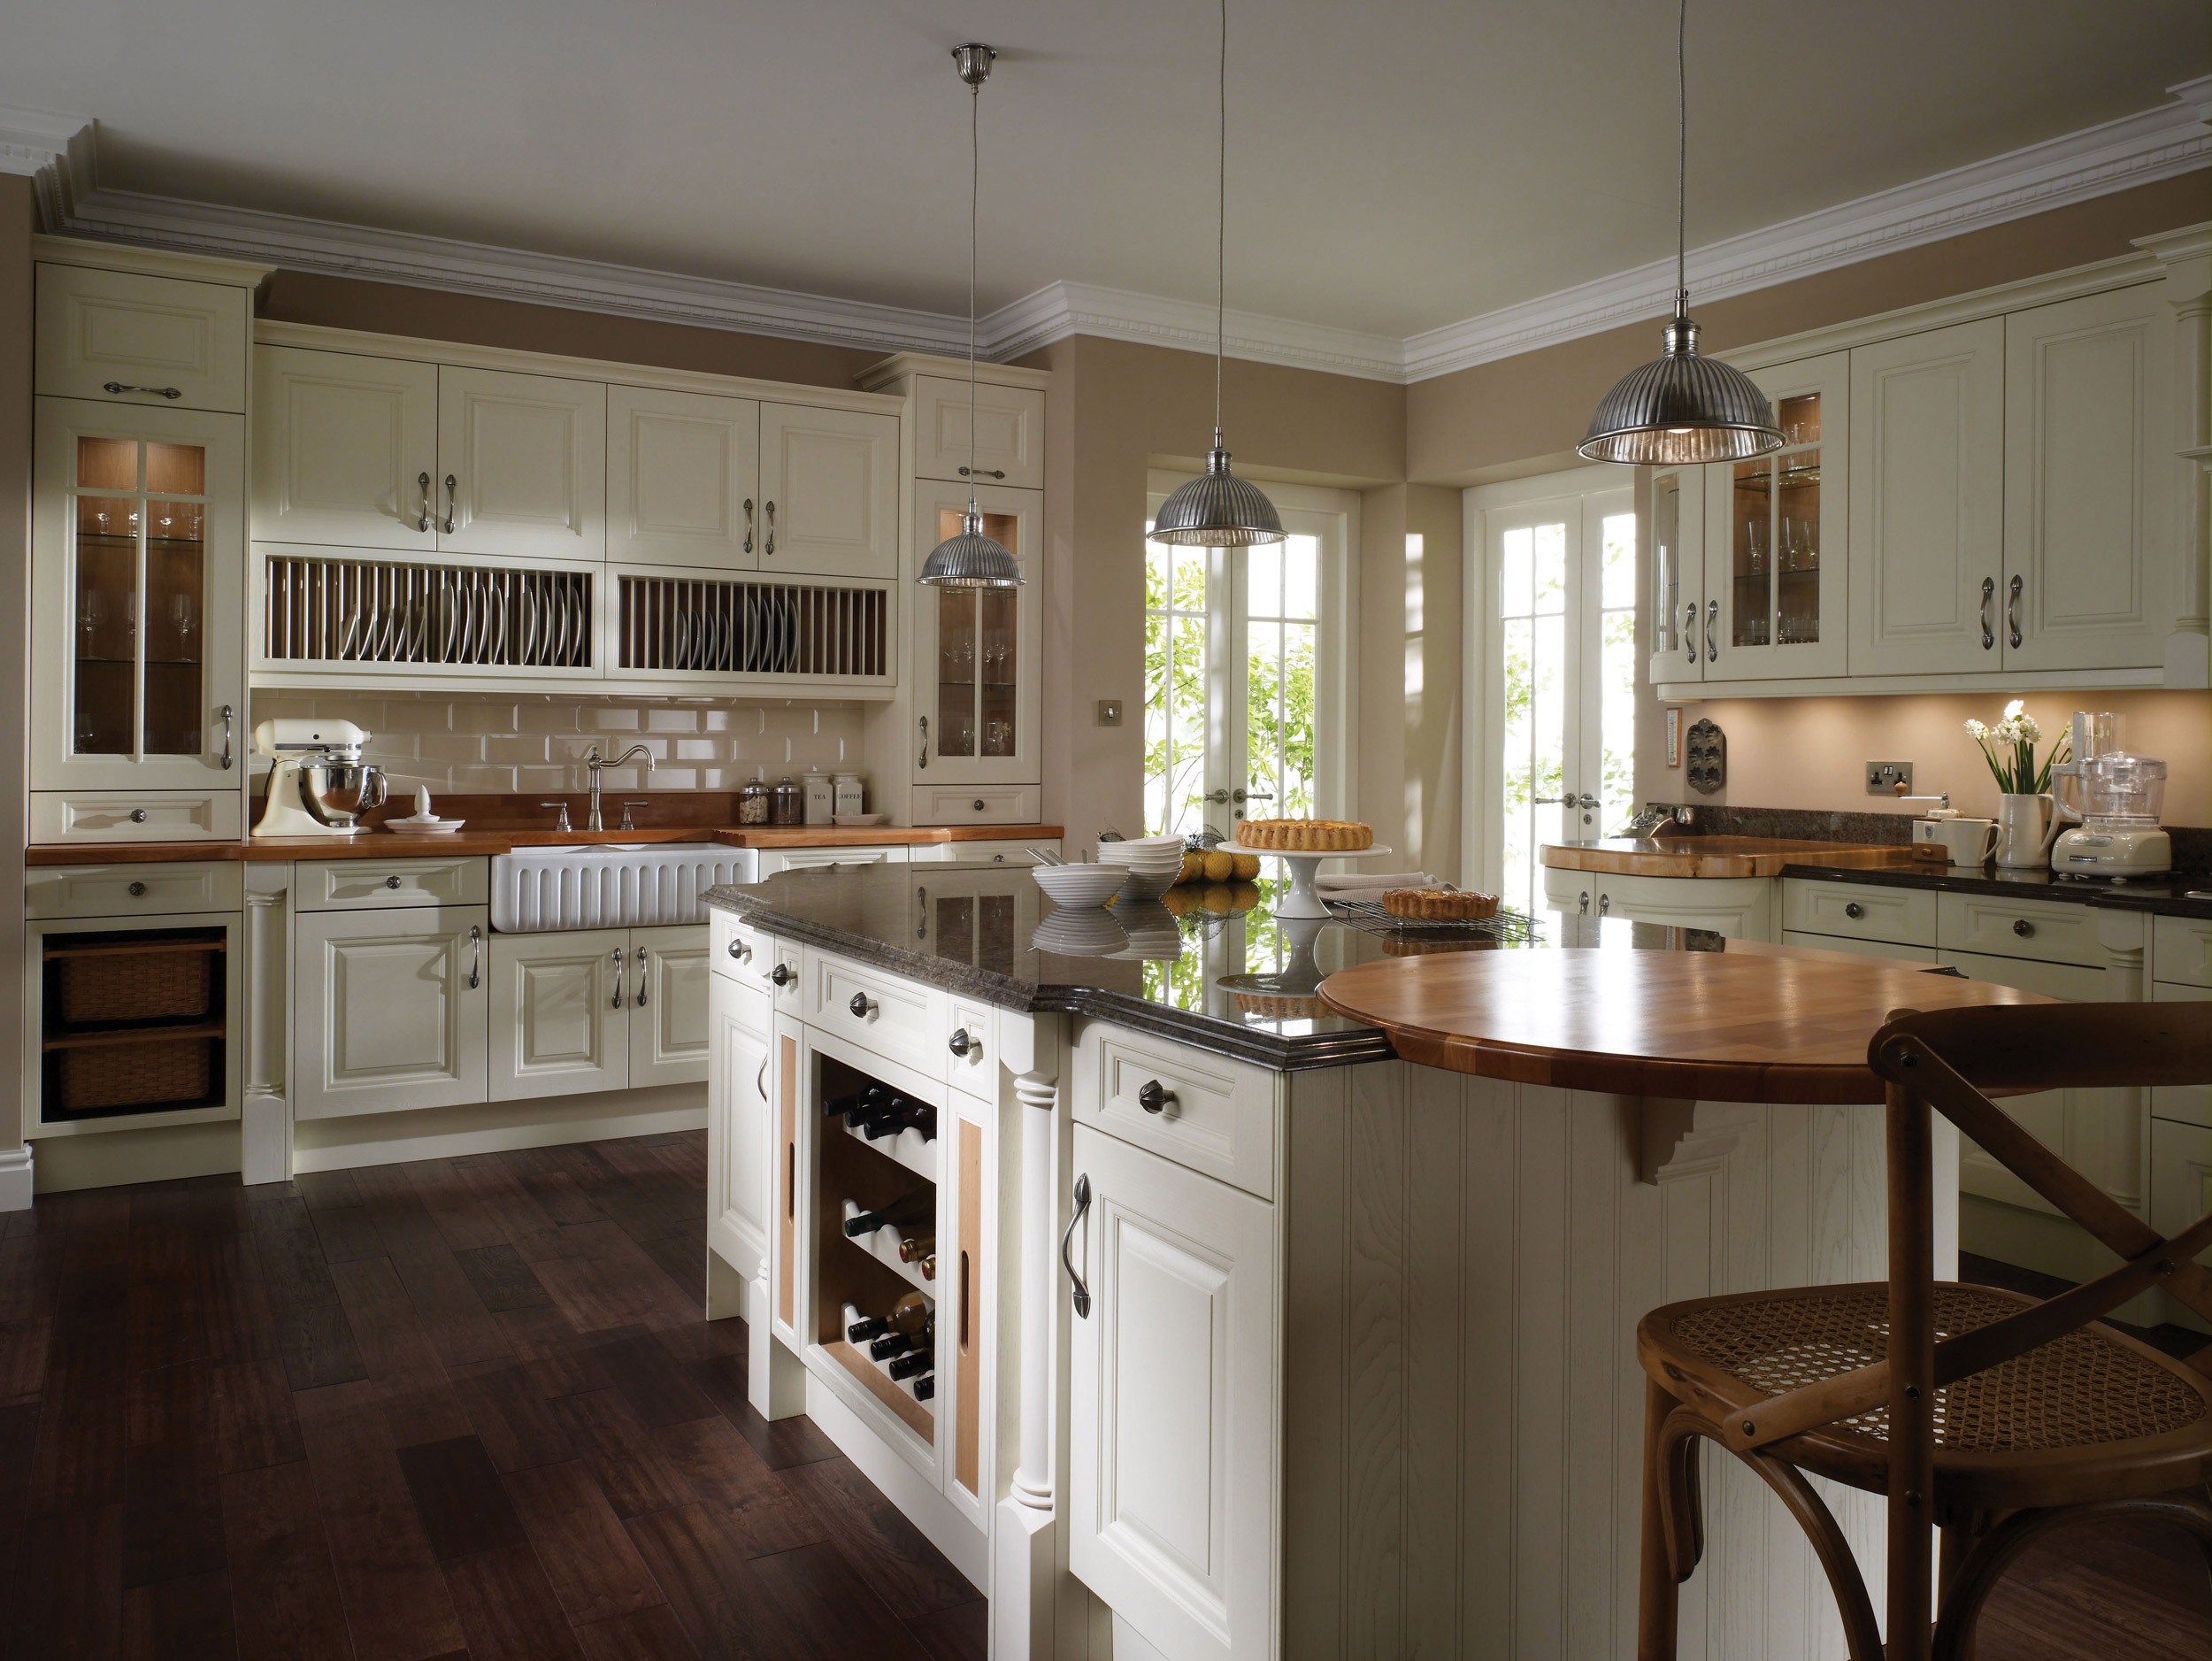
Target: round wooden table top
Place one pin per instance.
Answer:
(1743, 1025)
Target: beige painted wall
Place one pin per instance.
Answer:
(1410, 662)
(17, 221)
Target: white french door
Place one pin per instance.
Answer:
(1248, 701)
(1551, 621)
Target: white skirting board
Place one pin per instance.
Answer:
(443, 1133)
(16, 1185)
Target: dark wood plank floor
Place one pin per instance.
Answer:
(470, 1408)
(466, 1407)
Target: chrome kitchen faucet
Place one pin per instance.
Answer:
(595, 761)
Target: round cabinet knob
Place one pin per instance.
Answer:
(960, 1043)
(1152, 1098)
(780, 974)
(739, 951)
(1855, 910)
(998, 860)
(2023, 927)
(138, 890)
(138, 816)
(392, 881)
(979, 804)
(860, 1005)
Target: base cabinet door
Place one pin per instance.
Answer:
(668, 986)
(1176, 1409)
(390, 1009)
(737, 1129)
(560, 1016)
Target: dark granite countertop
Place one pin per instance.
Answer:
(2169, 897)
(1238, 984)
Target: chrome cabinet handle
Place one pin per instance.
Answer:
(960, 1043)
(392, 881)
(1583, 908)
(1153, 1098)
(748, 525)
(1712, 631)
(228, 717)
(2023, 927)
(860, 1006)
(739, 951)
(923, 762)
(1605, 904)
(422, 522)
(1989, 608)
(171, 393)
(1082, 1205)
(476, 956)
(645, 975)
(760, 1081)
(768, 547)
(452, 494)
(780, 974)
(983, 472)
(620, 957)
(2012, 608)
(1689, 630)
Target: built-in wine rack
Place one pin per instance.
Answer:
(705, 625)
(318, 610)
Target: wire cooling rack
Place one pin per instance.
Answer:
(1368, 916)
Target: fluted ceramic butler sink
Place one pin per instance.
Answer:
(536, 890)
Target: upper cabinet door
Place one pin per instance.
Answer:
(975, 649)
(683, 480)
(1928, 502)
(830, 487)
(345, 449)
(1678, 576)
(2089, 453)
(1774, 536)
(1009, 432)
(118, 337)
(522, 464)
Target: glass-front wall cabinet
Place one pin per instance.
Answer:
(976, 647)
(137, 575)
(1774, 557)
(1677, 575)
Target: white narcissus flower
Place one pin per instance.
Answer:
(2013, 709)
(1975, 730)
(2024, 724)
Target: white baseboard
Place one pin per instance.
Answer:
(16, 1182)
(445, 1133)
(154, 1153)
(967, 1547)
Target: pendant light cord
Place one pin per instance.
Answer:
(1221, 229)
(1681, 159)
(975, 208)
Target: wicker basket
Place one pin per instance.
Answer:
(103, 987)
(95, 1076)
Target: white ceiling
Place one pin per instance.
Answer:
(1392, 167)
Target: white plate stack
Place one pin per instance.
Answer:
(1152, 861)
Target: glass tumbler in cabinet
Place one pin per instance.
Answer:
(138, 569)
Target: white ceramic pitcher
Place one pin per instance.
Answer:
(2026, 827)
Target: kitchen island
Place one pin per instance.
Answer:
(1340, 1358)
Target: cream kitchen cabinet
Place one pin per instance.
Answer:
(976, 650)
(389, 1009)
(829, 485)
(1010, 432)
(2091, 580)
(1677, 575)
(683, 479)
(738, 1133)
(1926, 544)
(522, 461)
(141, 337)
(775, 859)
(607, 1008)
(345, 449)
(1742, 908)
(1175, 1402)
(137, 660)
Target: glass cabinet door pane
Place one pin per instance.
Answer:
(956, 671)
(1666, 562)
(176, 623)
(976, 655)
(996, 608)
(1751, 553)
(1797, 548)
(107, 618)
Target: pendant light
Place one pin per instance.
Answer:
(1682, 407)
(1220, 509)
(971, 559)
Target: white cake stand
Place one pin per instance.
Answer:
(1302, 899)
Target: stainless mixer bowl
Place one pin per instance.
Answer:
(337, 793)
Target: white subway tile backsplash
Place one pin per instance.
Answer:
(500, 745)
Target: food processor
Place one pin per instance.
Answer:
(319, 786)
(2117, 797)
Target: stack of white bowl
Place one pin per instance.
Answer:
(1152, 861)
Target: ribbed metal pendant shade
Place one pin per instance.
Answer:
(1682, 408)
(1217, 510)
(971, 560)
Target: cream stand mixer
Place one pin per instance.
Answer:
(318, 785)
(2117, 798)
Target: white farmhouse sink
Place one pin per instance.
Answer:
(536, 890)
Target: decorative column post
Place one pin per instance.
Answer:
(1024, 1542)
(264, 1112)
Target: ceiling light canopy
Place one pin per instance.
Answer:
(971, 560)
(1220, 509)
(1682, 407)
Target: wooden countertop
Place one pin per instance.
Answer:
(1754, 1023)
(494, 839)
(1714, 855)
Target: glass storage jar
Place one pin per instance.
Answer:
(752, 804)
(788, 805)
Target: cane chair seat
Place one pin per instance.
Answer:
(2094, 1409)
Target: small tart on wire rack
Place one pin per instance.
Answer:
(1440, 905)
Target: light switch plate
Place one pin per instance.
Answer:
(1110, 711)
(1889, 778)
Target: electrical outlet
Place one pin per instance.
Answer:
(1110, 711)
(1889, 778)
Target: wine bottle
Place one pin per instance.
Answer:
(909, 1366)
(865, 1105)
(889, 1345)
(838, 1106)
(920, 1206)
(929, 1268)
(913, 1247)
(868, 1326)
(926, 1386)
(888, 1121)
(923, 1117)
(911, 1315)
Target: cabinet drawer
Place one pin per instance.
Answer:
(977, 804)
(1859, 948)
(346, 885)
(1010, 432)
(2192, 1103)
(1901, 916)
(973, 1068)
(2045, 931)
(993, 853)
(2067, 981)
(137, 816)
(753, 964)
(142, 332)
(131, 891)
(895, 1018)
(2181, 950)
(1214, 1115)
(775, 859)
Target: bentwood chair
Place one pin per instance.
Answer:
(1993, 1417)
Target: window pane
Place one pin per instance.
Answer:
(1302, 574)
(1264, 585)
(1188, 706)
(1551, 569)
(1517, 592)
(1294, 798)
(1617, 561)
(1514, 779)
(1263, 715)
(1190, 580)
